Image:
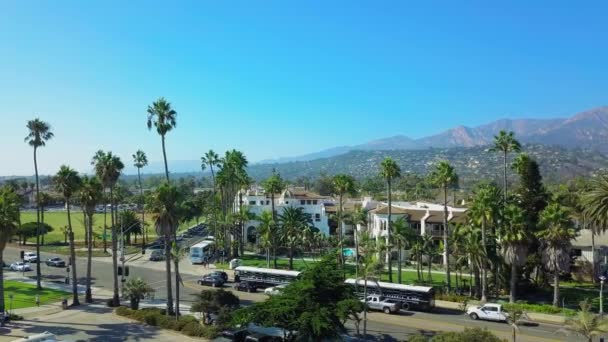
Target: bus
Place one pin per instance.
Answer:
(264, 277)
(199, 251)
(412, 297)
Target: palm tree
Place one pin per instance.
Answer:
(67, 182)
(164, 208)
(91, 194)
(484, 212)
(515, 318)
(371, 266)
(343, 184)
(586, 323)
(10, 219)
(430, 250)
(273, 185)
(389, 170)
(266, 233)
(293, 221)
(445, 177)
(504, 143)
(211, 159)
(556, 236)
(177, 254)
(594, 210)
(108, 168)
(139, 161)
(514, 237)
(402, 234)
(358, 219)
(39, 134)
(162, 116)
(136, 289)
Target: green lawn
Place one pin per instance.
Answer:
(24, 295)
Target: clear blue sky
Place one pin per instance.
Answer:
(283, 78)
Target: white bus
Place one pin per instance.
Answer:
(199, 251)
(411, 296)
(264, 277)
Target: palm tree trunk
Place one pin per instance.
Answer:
(593, 261)
(116, 298)
(356, 252)
(388, 234)
(162, 138)
(477, 281)
(555, 280)
(75, 300)
(42, 221)
(512, 292)
(291, 257)
(143, 212)
(268, 257)
(86, 231)
(38, 272)
(399, 263)
(177, 282)
(2, 306)
(505, 178)
(365, 307)
(89, 295)
(168, 272)
(446, 255)
(484, 265)
(105, 226)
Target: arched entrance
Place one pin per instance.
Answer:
(252, 234)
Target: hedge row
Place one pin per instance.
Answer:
(187, 325)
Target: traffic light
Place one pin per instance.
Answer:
(119, 270)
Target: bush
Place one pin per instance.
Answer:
(468, 335)
(123, 311)
(539, 308)
(451, 297)
(151, 318)
(15, 317)
(193, 329)
(183, 321)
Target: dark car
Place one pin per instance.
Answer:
(157, 255)
(211, 280)
(262, 338)
(245, 287)
(237, 335)
(220, 274)
(55, 262)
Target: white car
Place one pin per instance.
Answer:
(490, 312)
(30, 257)
(276, 290)
(20, 266)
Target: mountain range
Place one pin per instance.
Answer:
(586, 130)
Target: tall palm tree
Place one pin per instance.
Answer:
(358, 219)
(139, 161)
(293, 221)
(483, 212)
(211, 159)
(108, 168)
(39, 134)
(67, 183)
(504, 143)
(91, 194)
(97, 162)
(163, 117)
(514, 237)
(389, 170)
(165, 213)
(266, 233)
(371, 266)
(343, 184)
(10, 219)
(274, 185)
(556, 235)
(402, 234)
(444, 176)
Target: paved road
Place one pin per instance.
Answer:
(397, 327)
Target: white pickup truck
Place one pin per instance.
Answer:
(490, 312)
(387, 306)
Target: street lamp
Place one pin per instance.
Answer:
(602, 278)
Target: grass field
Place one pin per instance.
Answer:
(58, 219)
(24, 295)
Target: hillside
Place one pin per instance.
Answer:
(471, 163)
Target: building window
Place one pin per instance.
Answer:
(577, 252)
(251, 202)
(267, 202)
(302, 202)
(286, 202)
(314, 202)
(309, 202)
(317, 217)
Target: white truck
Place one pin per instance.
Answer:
(490, 312)
(379, 303)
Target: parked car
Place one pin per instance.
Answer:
(237, 335)
(55, 262)
(20, 266)
(381, 304)
(211, 280)
(245, 286)
(262, 338)
(157, 255)
(186, 235)
(275, 290)
(490, 312)
(30, 257)
(221, 274)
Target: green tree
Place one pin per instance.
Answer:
(164, 207)
(211, 159)
(140, 161)
(514, 237)
(91, 194)
(10, 217)
(108, 168)
(586, 323)
(136, 289)
(39, 134)
(213, 301)
(44, 199)
(370, 266)
(557, 234)
(389, 170)
(163, 118)
(444, 177)
(130, 224)
(358, 219)
(402, 234)
(274, 185)
(293, 221)
(343, 184)
(30, 229)
(350, 309)
(504, 143)
(67, 183)
(266, 233)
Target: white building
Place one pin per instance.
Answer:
(257, 202)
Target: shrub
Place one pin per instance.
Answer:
(450, 297)
(468, 335)
(193, 329)
(166, 322)
(123, 311)
(210, 332)
(151, 318)
(539, 308)
(15, 317)
(183, 321)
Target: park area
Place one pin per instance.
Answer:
(24, 295)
